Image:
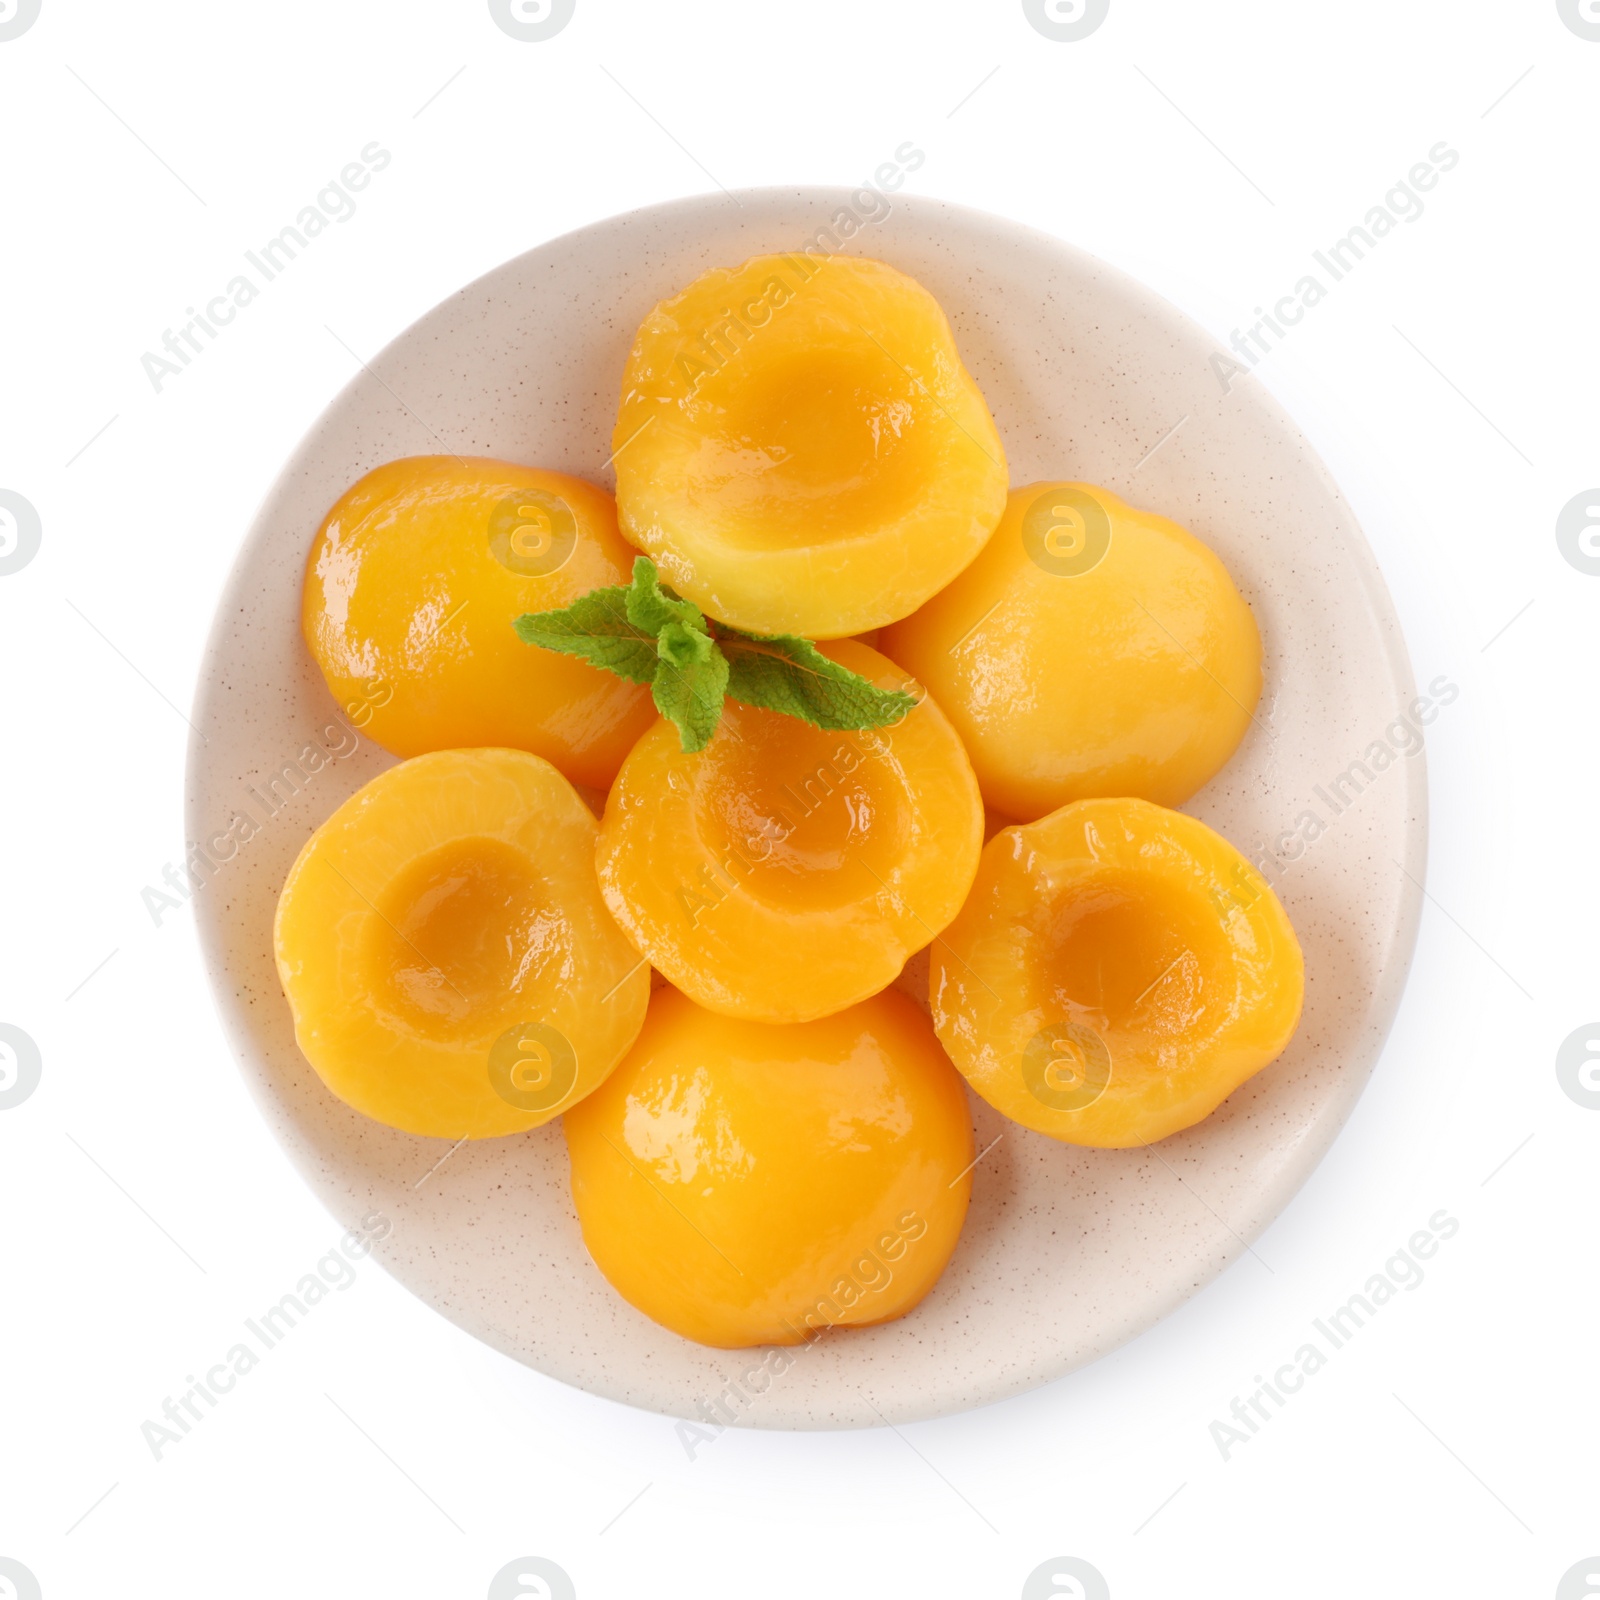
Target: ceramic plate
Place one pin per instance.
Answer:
(1067, 1252)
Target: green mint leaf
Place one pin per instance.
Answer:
(691, 674)
(651, 608)
(685, 646)
(690, 681)
(595, 626)
(648, 634)
(790, 675)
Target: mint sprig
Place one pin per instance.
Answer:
(647, 634)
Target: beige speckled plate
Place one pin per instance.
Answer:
(1067, 1252)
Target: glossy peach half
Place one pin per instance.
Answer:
(1092, 649)
(1117, 972)
(786, 871)
(800, 447)
(413, 583)
(450, 965)
(746, 1183)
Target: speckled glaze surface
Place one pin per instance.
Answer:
(1067, 1252)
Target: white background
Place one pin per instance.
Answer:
(144, 1210)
